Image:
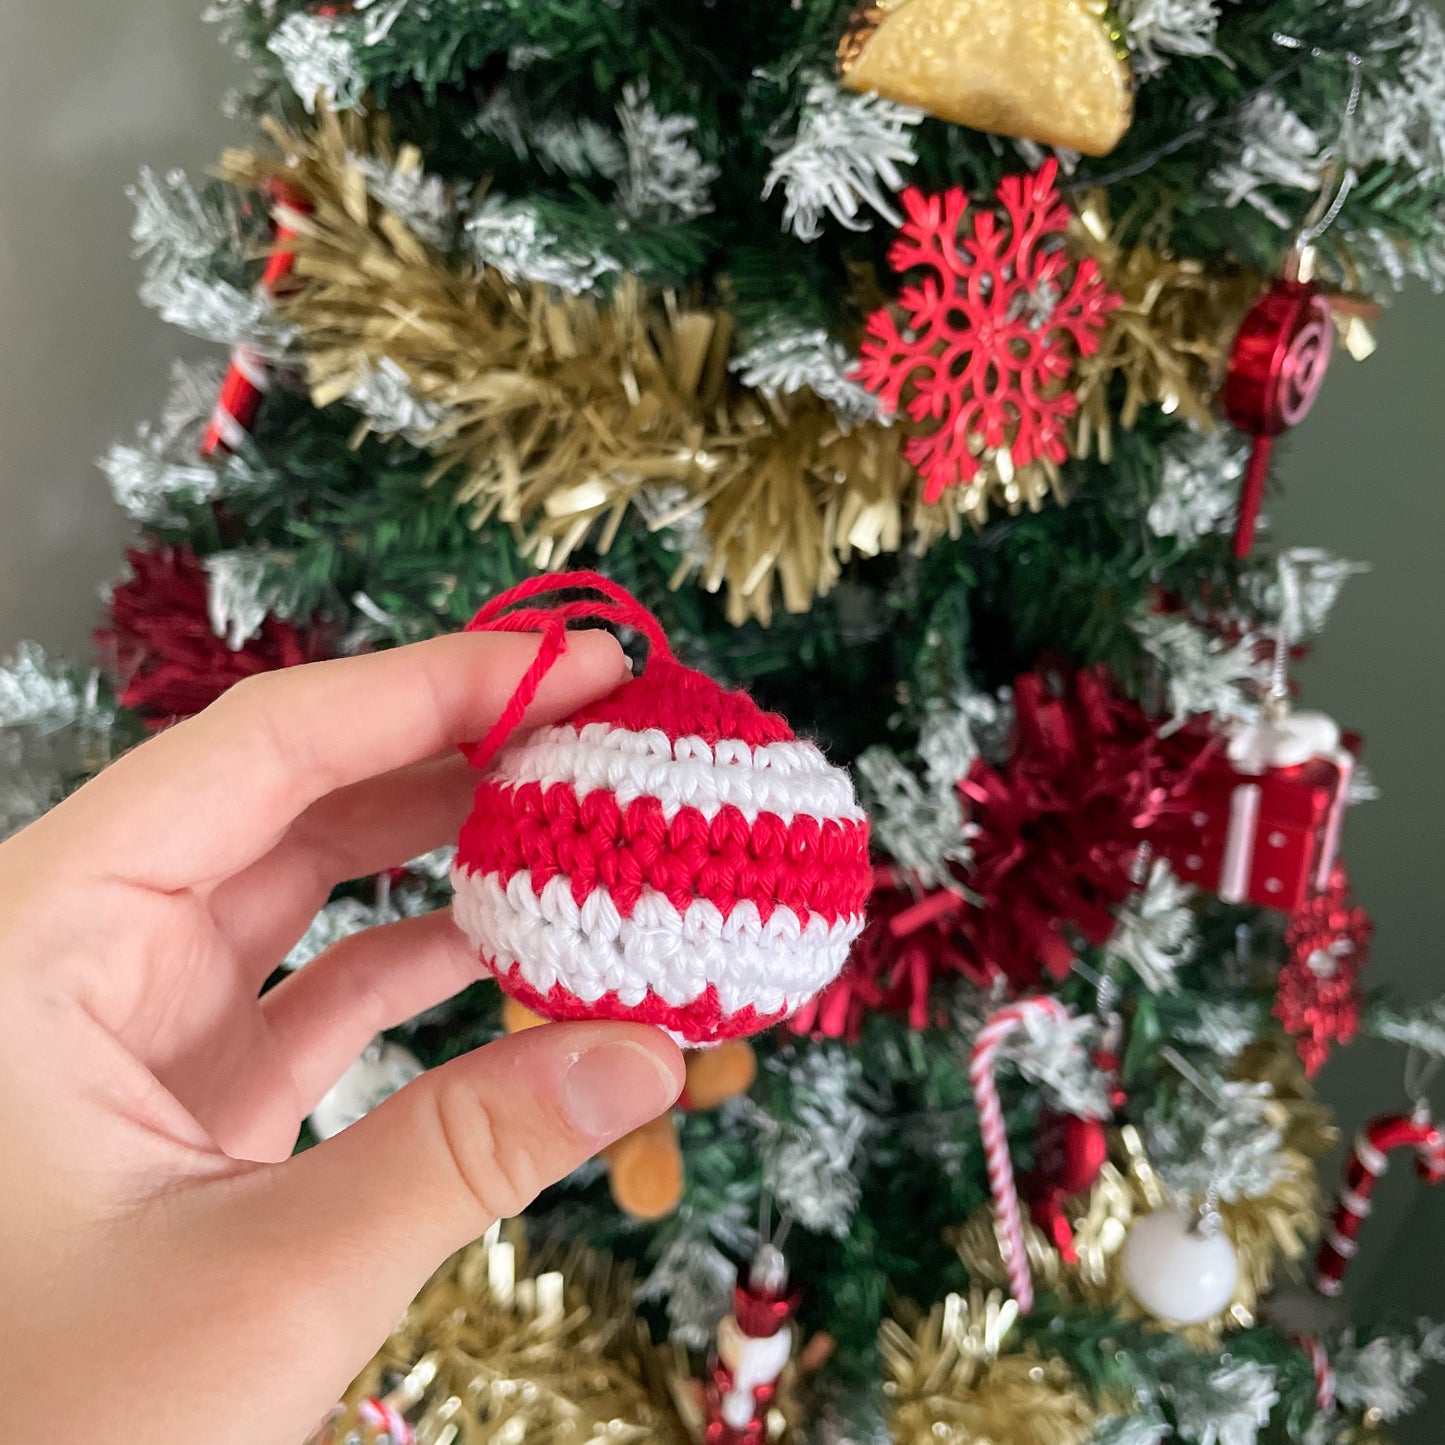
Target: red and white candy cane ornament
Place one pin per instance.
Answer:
(1368, 1161)
(1324, 1372)
(991, 1037)
(247, 379)
(1276, 370)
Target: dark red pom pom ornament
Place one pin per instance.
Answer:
(672, 854)
(1276, 370)
(163, 651)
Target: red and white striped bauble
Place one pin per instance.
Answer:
(671, 855)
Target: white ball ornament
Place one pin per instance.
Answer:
(1176, 1271)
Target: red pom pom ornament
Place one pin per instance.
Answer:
(671, 855)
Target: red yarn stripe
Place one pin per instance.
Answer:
(811, 866)
(701, 1021)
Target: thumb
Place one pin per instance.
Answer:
(356, 1225)
(477, 1139)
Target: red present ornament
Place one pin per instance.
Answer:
(1261, 820)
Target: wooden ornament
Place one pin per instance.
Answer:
(716, 1075)
(1052, 71)
(644, 1170)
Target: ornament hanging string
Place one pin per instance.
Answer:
(981, 1072)
(622, 609)
(1217, 120)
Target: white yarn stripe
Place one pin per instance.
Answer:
(788, 779)
(1327, 1285)
(592, 950)
(995, 1138)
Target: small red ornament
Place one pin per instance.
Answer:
(1368, 1161)
(991, 329)
(1261, 819)
(159, 642)
(1276, 370)
(248, 378)
(1069, 1154)
(1317, 994)
(754, 1344)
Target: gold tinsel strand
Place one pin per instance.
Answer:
(951, 1379)
(561, 410)
(495, 1351)
(1265, 1231)
(1168, 340)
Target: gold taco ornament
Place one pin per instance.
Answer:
(1052, 71)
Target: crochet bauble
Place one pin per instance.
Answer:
(671, 855)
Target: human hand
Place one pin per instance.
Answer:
(167, 1273)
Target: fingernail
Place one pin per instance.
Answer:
(611, 1089)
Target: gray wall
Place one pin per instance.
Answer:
(84, 100)
(88, 93)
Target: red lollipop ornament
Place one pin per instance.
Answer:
(1276, 370)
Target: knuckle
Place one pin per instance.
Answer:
(495, 1166)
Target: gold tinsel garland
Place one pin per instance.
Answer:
(1168, 340)
(495, 1350)
(1276, 1226)
(562, 411)
(952, 1379)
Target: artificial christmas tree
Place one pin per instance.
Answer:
(949, 449)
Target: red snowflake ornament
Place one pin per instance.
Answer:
(1318, 998)
(993, 325)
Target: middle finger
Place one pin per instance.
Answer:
(352, 833)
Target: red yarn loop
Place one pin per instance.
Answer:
(621, 608)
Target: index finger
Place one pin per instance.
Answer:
(214, 793)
